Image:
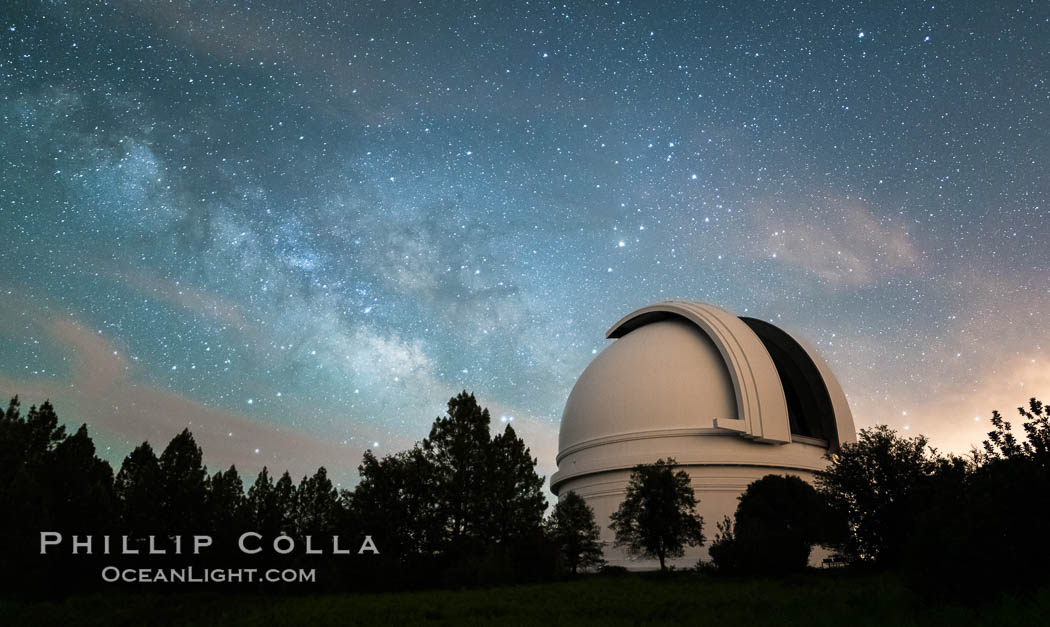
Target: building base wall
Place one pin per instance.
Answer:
(717, 487)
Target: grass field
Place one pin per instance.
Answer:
(810, 600)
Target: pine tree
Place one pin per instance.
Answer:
(457, 454)
(461, 491)
(49, 480)
(184, 488)
(394, 503)
(263, 512)
(81, 485)
(317, 507)
(225, 506)
(284, 498)
(138, 488)
(515, 491)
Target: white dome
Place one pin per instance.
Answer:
(731, 399)
(663, 376)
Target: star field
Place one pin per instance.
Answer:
(299, 229)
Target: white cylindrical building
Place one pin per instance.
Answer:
(730, 399)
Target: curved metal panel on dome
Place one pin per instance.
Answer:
(762, 409)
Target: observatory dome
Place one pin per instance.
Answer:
(730, 399)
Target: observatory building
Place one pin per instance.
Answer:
(731, 399)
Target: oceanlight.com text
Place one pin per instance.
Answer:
(189, 574)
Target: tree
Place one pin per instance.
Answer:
(226, 510)
(272, 506)
(469, 503)
(285, 496)
(80, 484)
(723, 550)
(26, 441)
(868, 483)
(1003, 444)
(262, 507)
(456, 453)
(49, 480)
(979, 524)
(42, 432)
(486, 489)
(658, 515)
(955, 522)
(317, 506)
(997, 518)
(137, 487)
(394, 503)
(184, 485)
(572, 528)
(776, 524)
(515, 490)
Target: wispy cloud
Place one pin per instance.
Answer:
(185, 296)
(845, 246)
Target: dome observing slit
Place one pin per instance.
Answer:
(809, 405)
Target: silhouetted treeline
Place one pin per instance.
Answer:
(460, 507)
(49, 480)
(980, 524)
(964, 527)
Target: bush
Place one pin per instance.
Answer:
(867, 485)
(776, 524)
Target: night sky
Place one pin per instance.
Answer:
(299, 228)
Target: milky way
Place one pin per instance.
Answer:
(299, 228)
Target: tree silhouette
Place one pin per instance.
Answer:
(261, 505)
(1003, 444)
(572, 528)
(658, 515)
(285, 497)
(724, 551)
(225, 507)
(272, 507)
(49, 480)
(448, 500)
(42, 432)
(26, 441)
(456, 453)
(515, 491)
(486, 489)
(776, 524)
(459, 496)
(184, 488)
(867, 484)
(394, 502)
(976, 532)
(138, 487)
(81, 485)
(317, 506)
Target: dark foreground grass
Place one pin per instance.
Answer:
(687, 599)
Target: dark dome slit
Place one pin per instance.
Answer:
(809, 404)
